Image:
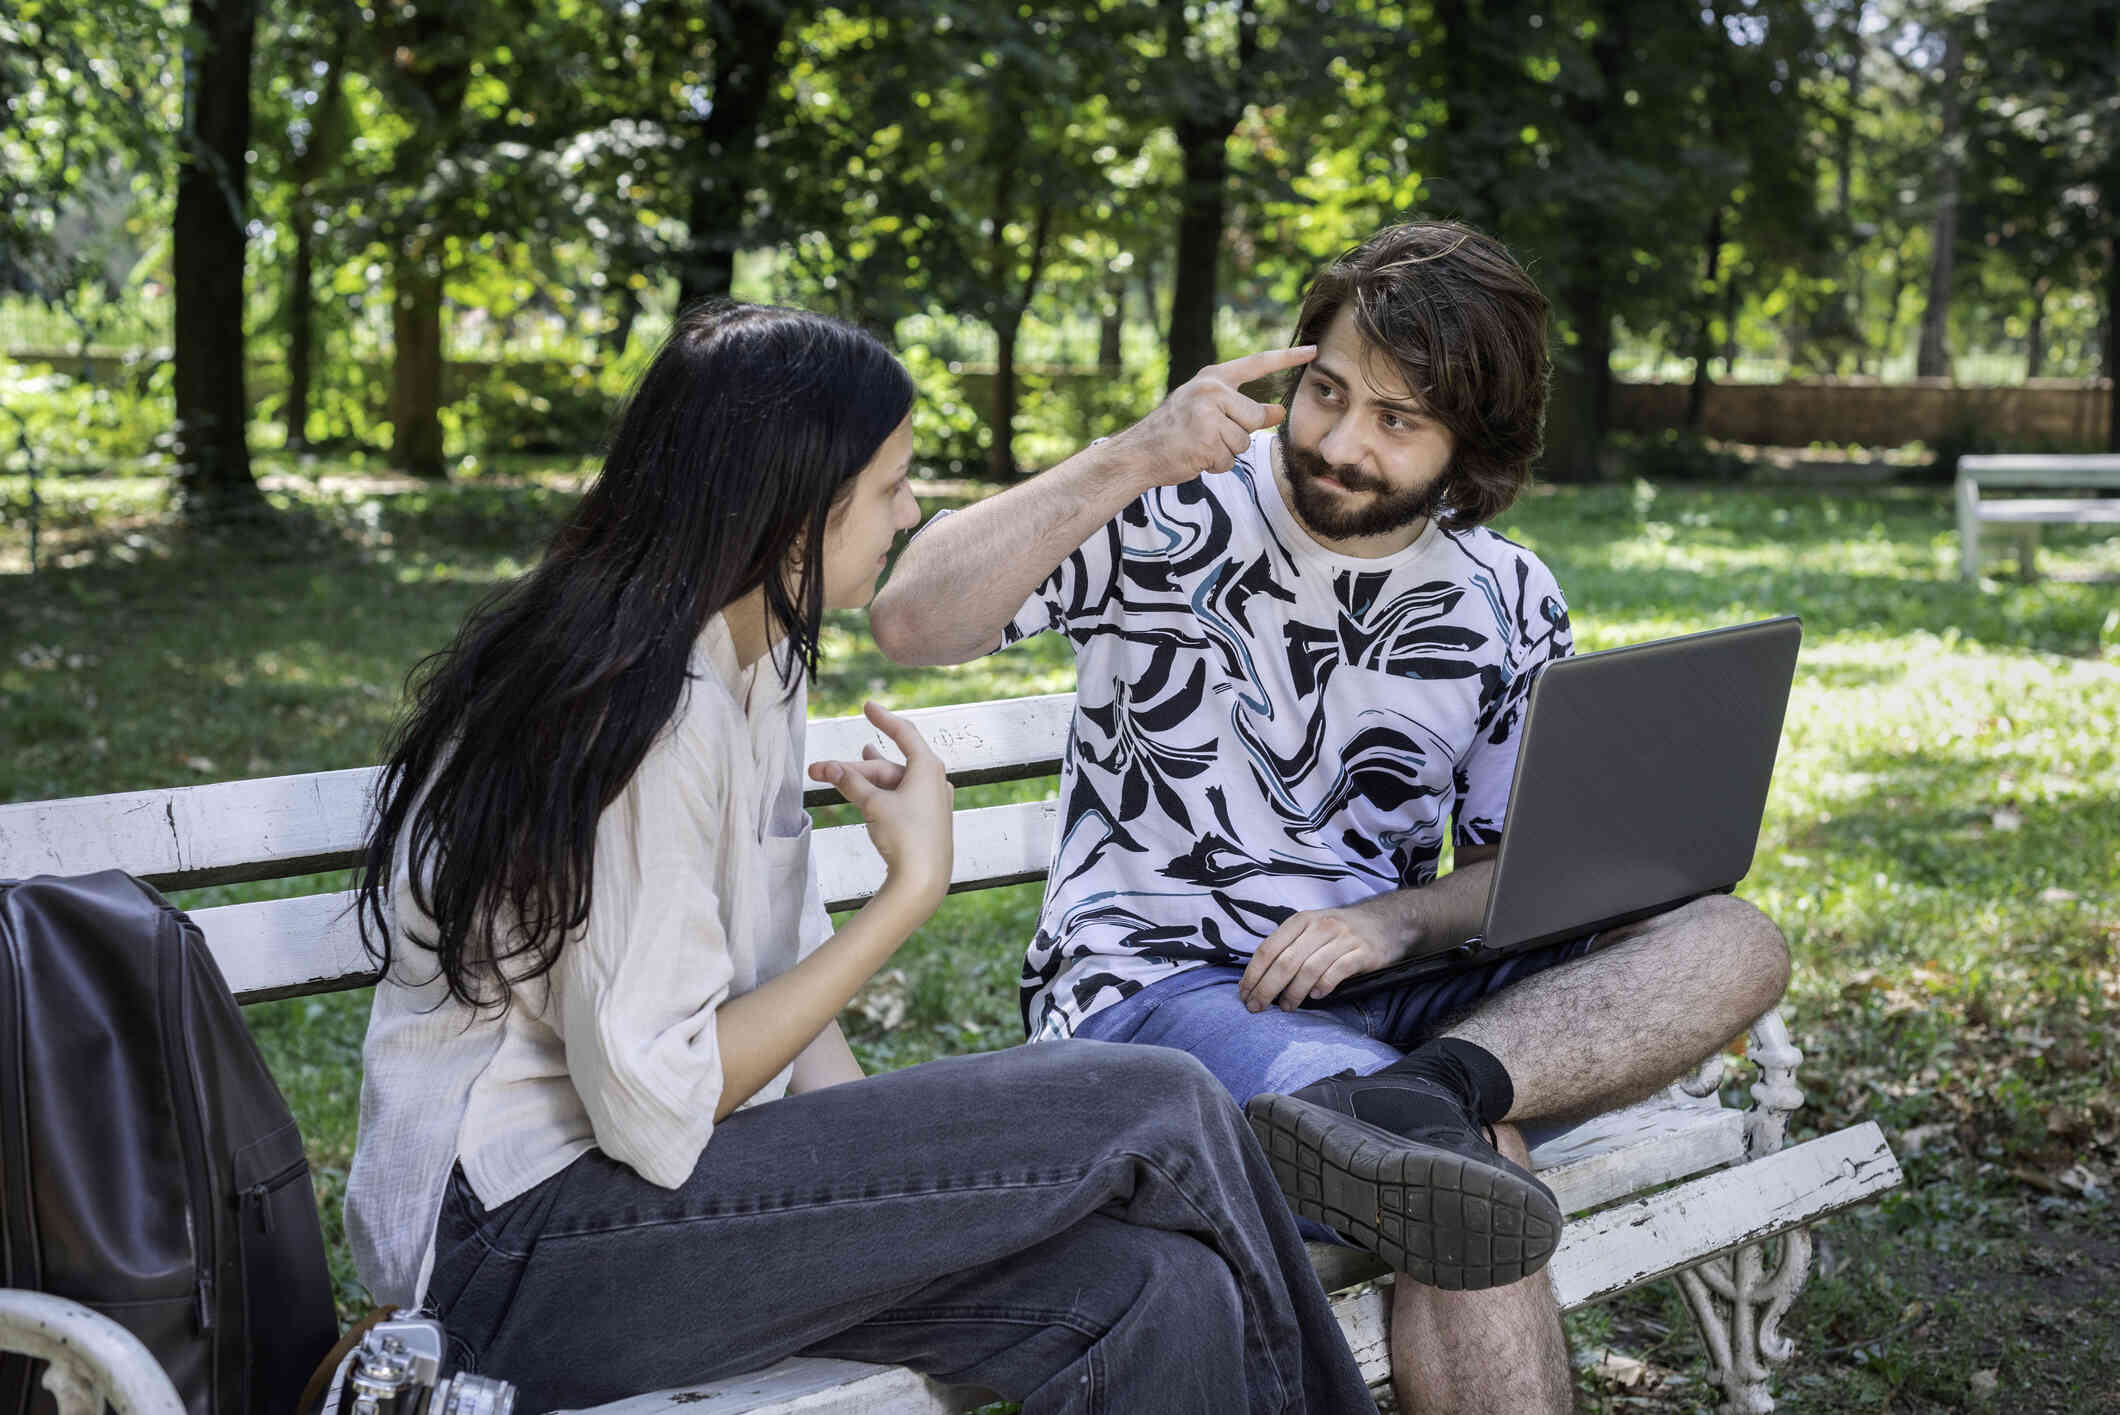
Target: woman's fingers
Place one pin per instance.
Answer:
(853, 782)
(903, 733)
(876, 772)
(880, 772)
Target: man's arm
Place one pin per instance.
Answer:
(1313, 952)
(960, 582)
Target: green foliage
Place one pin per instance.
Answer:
(79, 424)
(1673, 454)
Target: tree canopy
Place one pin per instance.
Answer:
(402, 186)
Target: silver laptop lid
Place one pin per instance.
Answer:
(1641, 782)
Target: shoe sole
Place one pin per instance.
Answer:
(1444, 1219)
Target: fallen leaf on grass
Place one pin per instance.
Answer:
(1983, 1384)
(882, 1002)
(1918, 1138)
(2075, 1182)
(1625, 1372)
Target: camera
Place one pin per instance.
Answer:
(397, 1370)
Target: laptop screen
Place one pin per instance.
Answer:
(1641, 782)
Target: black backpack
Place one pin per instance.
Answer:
(149, 1167)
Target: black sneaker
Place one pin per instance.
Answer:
(1434, 1199)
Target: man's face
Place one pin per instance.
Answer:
(1359, 452)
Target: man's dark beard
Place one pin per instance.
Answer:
(1335, 518)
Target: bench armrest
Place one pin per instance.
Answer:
(93, 1359)
(1775, 1095)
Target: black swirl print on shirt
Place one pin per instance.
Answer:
(1263, 727)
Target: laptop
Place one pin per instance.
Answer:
(1640, 785)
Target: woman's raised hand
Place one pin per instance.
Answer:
(906, 807)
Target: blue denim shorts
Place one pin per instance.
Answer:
(1199, 1011)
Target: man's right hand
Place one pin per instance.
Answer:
(1207, 423)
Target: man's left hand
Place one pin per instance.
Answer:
(1315, 951)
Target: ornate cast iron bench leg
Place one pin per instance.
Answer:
(1739, 1299)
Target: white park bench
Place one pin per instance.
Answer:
(2020, 517)
(1677, 1187)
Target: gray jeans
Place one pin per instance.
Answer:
(1080, 1226)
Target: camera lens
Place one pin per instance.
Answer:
(464, 1394)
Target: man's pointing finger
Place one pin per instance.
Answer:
(1266, 361)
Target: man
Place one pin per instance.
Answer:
(1301, 659)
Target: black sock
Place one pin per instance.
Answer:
(1473, 1072)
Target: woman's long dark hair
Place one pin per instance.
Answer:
(725, 466)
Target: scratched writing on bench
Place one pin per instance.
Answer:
(945, 740)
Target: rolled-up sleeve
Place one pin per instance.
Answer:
(639, 988)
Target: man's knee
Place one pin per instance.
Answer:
(1758, 952)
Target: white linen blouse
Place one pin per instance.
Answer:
(703, 889)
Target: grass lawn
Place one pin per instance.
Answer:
(1942, 848)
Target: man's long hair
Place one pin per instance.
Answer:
(1466, 328)
(725, 466)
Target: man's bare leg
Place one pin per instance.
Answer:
(1497, 1352)
(1616, 1026)
(1577, 1040)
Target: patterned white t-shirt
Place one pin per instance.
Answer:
(1263, 726)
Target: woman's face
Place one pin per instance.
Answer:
(858, 537)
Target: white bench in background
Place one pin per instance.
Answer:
(1677, 1187)
(2022, 516)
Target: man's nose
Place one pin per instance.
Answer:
(1342, 444)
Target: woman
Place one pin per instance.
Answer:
(591, 891)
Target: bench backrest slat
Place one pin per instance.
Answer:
(2007, 469)
(189, 836)
(274, 827)
(311, 943)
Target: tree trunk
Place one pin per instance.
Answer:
(208, 230)
(1580, 411)
(747, 37)
(1001, 454)
(1111, 325)
(1934, 358)
(301, 325)
(625, 310)
(1704, 333)
(2112, 339)
(2035, 332)
(1008, 323)
(1204, 146)
(416, 365)
(1209, 112)
(310, 165)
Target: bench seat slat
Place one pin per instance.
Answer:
(277, 948)
(2052, 509)
(232, 832)
(1599, 1257)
